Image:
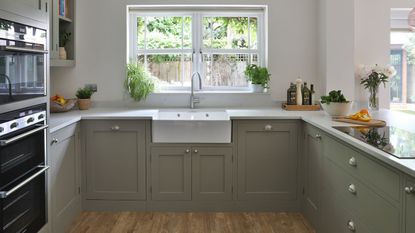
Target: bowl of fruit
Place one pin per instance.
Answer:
(60, 104)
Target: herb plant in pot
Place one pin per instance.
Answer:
(335, 104)
(258, 77)
(84, 98)
(139, 82)
(64, 38)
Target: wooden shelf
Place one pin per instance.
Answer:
(62, 63)
(65, 19)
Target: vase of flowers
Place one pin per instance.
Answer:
(371, 77)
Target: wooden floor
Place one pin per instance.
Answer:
(129, 222)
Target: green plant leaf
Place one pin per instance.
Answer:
(139, 82)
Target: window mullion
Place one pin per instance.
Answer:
(145, 42)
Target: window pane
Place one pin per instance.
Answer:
(402, 57)
(225, 69)
(225, 32)
(140, 32)
(253, 24)
(169, 69)
(187, 32)
(164, 32)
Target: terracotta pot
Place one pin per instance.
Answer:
(62, 53)
(84, 104)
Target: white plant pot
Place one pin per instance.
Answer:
(337, 109)
(62, 53)
(257, 88)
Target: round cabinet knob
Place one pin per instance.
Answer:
(54, 141)
(352, 189)
(410, 190)
(41, 116)
(187, 150)
(353, 162)
(196, 151)
(351, 225)
(318, 136)
(115, 128)
(268, 127)
(30, 120)
(14, 125)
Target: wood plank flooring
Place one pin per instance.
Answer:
(131, 222)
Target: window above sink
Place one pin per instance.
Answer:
(173, 42)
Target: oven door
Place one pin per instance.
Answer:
(23, 203)
(22, 74)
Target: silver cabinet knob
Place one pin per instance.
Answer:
(268, 128)
(410, 190)
(54, 141)
(353, 162)
(196, 151)
(352, 189)
(318, 136)
(115, 128)
(351, 225)
(187, 150)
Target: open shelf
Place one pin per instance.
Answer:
(62, 63)
(65, 19)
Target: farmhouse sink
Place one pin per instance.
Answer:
(191, 126)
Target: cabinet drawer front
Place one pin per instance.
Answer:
(63, 134)
(337, 218)
(410, 207)
(368, 171)
(372, 208)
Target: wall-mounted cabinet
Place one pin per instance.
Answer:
(33, 9)
(62, 25)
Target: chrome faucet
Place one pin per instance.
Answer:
(193, 99)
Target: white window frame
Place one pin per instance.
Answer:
(197, 13)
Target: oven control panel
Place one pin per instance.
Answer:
(22, 122)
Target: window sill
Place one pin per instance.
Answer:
(210, 92)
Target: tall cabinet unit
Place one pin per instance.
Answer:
(34, 9)
(62, 21)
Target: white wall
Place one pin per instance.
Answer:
(101, 45)
(336, 46)
(372, 37)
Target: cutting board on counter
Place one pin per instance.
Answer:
(371, 123)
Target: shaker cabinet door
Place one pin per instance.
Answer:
(267, 160)
(115, 160)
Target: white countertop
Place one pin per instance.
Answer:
(318, 119)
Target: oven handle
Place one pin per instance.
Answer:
(24, 50)
(5, 194)
(23, 135)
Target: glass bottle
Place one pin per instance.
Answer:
(312, 100)
(306, 93)
(291, 95)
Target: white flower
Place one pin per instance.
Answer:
(364, 71)
(390, 71)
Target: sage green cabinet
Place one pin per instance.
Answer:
(64, 161)
(211, 173)
(171, 173)
(409, 205)
(115, 160)
(312, 181)
(191, 173)
(34, 9)
(267, 159)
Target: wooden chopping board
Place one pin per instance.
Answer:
(373, 122)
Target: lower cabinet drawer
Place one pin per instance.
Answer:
(337, 218)
(377, 213)
(369, 171)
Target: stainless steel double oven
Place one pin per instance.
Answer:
(23, 124)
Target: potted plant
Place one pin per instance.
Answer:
(64, 38)
(84, 98)
(335, 104)
(258, 77)
(139, 82)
